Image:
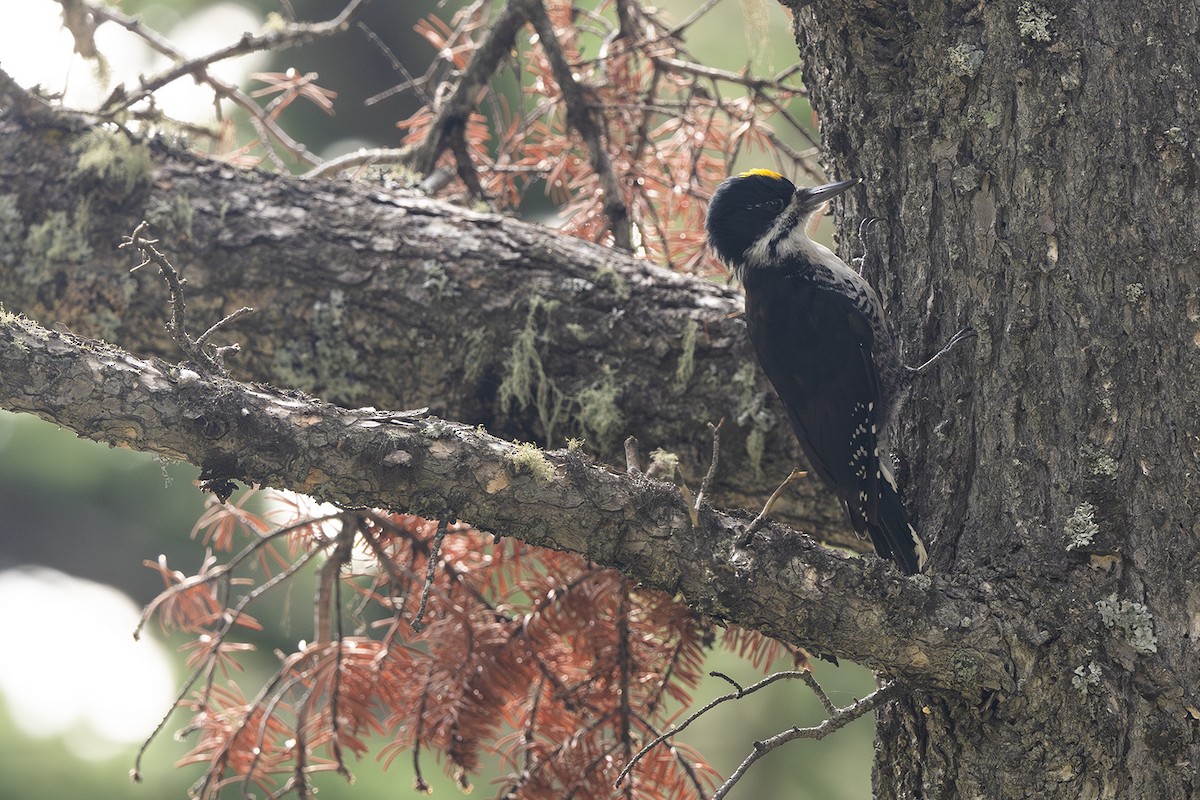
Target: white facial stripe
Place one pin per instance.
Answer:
(797, 243)
(760, 253)
(789, 235)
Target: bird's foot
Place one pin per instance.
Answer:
(864, 235)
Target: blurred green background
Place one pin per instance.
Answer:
(77, 519)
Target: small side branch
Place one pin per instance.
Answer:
(326, 610)
(735, 695)
(765, 514)
(712, 465)
(211, 359)
(363, 157)
(418, 623)
(296, 33)
(841, 718)
(451, 119)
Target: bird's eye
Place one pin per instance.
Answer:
(773, 205)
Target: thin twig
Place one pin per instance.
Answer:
(684, 763)
(688, 21)
(677, 729)
(203, 338)
(727, 679)
(819, 691)
(712, 465)
(363, 157)
(210, 359)
(803, 131)
(266, 127)
(580, 116)
(418, 624)
(385, 560)
(741, 78)
(839, 720)
(451, 119)
(345, 548)
(396, 65)
(223, 569)
(419, 782)
(177, 322)
(304, 790)
(625, 670)
(764, 515)
(263, 726)
(330, 577)
(136, 773)
(215, 643)
(296, 33)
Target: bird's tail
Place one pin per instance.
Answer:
(891, 532)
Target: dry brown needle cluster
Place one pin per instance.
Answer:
(563, 669)
(629, 142)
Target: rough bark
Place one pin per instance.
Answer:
(1035, 167)
(368, 294)
(926, 632)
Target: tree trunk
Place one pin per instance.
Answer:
(1035, 169)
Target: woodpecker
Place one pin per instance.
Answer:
(820, 335)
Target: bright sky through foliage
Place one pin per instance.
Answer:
(37, 50)
(71, 667)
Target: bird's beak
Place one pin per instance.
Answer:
(819, 194)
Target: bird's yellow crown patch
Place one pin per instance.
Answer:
(766, 173)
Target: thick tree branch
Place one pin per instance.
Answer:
(928, 631)
(370, 295)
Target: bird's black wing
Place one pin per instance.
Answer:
(815, 346)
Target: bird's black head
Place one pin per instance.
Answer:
(743, 209)
(757, 204)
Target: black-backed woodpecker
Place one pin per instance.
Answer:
(818, 329)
